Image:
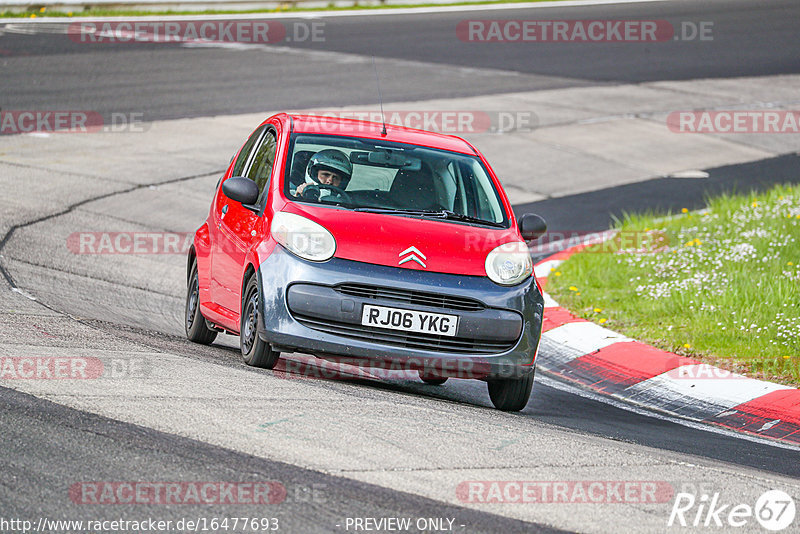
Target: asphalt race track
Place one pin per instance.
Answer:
(171, 81)
(350, 447)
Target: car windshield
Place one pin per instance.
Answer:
(389, 177)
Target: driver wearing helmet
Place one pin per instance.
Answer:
(329, 168)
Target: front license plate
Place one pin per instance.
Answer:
(409, 320)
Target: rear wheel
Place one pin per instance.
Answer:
(432, 379)
(194, 322)
(511, 394)
(255, 351)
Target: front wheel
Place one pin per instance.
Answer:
(255, 351)
(194, 322)
(511, 394)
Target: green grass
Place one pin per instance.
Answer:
(721, 285)
(35, 12)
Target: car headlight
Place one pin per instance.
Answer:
(509, 264)
(303, 237)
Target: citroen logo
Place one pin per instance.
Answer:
(412, 254)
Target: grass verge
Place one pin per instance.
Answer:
(721, 285)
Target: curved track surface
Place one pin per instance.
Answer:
(343, 448)
(418, 56)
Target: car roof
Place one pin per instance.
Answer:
(326, 125)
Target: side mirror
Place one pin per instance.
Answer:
(532, 226)
(241, 190)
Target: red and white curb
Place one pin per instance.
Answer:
(584, 353)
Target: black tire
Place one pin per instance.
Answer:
(193, 321)
(255, 351)
(432, 379)
(510, 394)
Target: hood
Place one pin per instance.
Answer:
(431, 245)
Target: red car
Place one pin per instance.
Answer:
(353, 240)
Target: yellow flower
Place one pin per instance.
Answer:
(597, 310)
(42, 10)
(552, 269)
(69, 13)
(33, 15)
(573, 288)
(789, 263)
(684, 210)
(603, 320)
(755, 203)
(578, 293)
(687, 346)
(558, 273)
(786, 357)
(798, 216)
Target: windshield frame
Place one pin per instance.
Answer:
(433, 214)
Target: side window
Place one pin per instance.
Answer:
(261, 167)
(244, 154)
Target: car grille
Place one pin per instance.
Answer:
(410, 340)
(420, 298)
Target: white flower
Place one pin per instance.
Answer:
(742, 252)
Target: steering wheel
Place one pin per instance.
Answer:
(312, 191)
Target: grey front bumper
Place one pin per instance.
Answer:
(311, 307)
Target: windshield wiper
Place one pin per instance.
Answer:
(439, 214)
(394, 211)
(447, 214)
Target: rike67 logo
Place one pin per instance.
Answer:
(774, 511)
